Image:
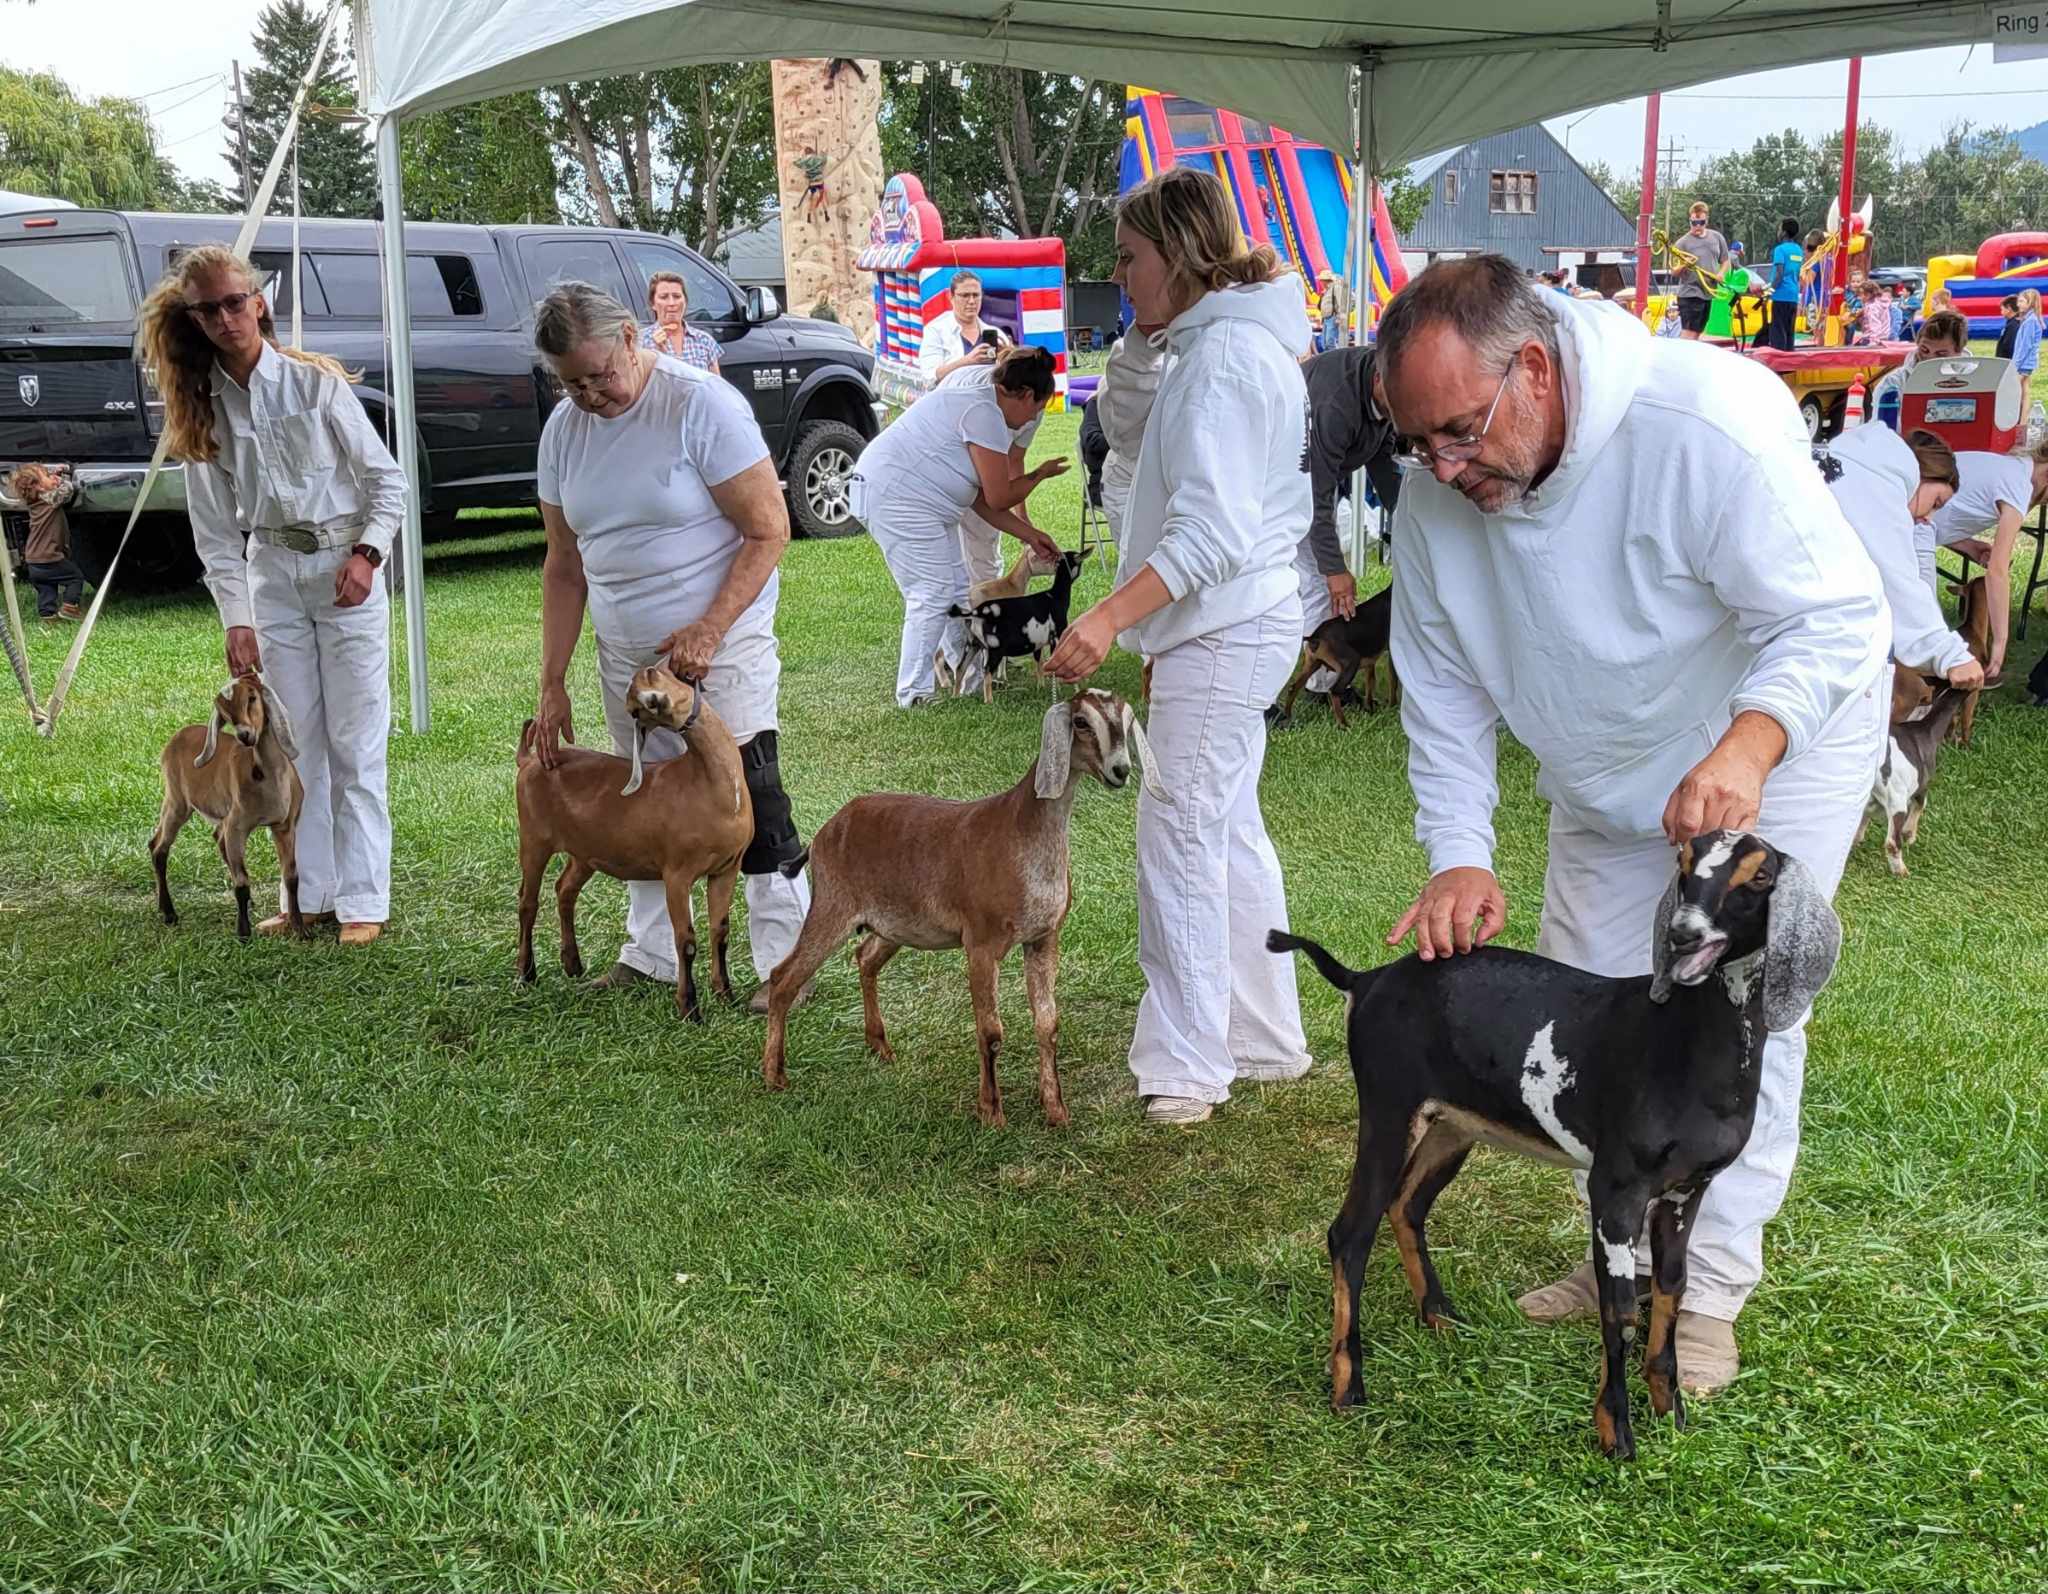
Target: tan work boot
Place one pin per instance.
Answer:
(360, 934)
(281, 923)
(621, 977)
(1707, 1357)
(757, 1004)
(1575, 1295)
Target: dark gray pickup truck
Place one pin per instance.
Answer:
(72, 390)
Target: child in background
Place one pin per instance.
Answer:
(46, 557)
(2026, 346)
(1876, 324)
(2008, 335)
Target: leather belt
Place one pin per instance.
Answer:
(309, 539)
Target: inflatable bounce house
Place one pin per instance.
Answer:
(1024, 287)
(1295, 196)
(2005, 265)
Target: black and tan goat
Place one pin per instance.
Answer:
(984, 876)
(1899, 791)
(1509, 1049)
(1345, 647)
(679, 821)
(248, 785)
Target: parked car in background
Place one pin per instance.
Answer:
(73, 390)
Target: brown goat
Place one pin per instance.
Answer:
(1345, 647)
(250, 784)
(679, 821)
(1973, 619)
(984, 876)
(1911, 691)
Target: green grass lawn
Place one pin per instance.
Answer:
(379, 1271)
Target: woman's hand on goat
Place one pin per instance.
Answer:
(691, 649)
(244, 657)
(1083, 648)
(352, 582)
(1725, 790)
(552, 724)
(1967, 676)
(1458, 910)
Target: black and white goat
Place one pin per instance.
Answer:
(1024, 627)
(1516, 1051)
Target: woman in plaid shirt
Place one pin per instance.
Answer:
(670, 333)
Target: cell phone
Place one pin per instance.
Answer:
(991, 337)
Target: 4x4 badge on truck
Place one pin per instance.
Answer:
(31, 388)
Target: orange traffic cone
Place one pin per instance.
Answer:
(1852, 413)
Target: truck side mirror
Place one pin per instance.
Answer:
(762, 305)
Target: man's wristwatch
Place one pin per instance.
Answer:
(375, 556)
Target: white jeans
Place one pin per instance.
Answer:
(929, 566)
(1209, 885)
(1314, 592)
(744, 669)
(981, 548)
(331, 669)
(1599, 901)
(1117, 476)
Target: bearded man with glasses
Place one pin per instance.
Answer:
(1670, 612)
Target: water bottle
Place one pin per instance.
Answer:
(2037, 425)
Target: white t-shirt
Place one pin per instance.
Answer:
(1988, 480)
(945, 341)
(636, 490)
(919, 467)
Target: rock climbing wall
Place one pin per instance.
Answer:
(828, 149)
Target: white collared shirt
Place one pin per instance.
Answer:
(296, 449)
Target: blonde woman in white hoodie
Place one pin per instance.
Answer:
(1218, 502)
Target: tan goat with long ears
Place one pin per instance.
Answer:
(680, 821)
(248, 784)
(985, 876)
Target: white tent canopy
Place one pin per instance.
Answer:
(1428, 74)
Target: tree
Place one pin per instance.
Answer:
(336, 175)
(1406, 200)
(489, 162)
(197, 196)
(97, 152)
(690, 150)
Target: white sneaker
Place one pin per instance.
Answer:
(1275, 1073)
(1177, 1110)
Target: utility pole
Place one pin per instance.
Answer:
(242, 133)
(1670, 180)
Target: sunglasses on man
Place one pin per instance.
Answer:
(228, 304)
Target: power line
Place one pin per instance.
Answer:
(211, 83)
(173, 88)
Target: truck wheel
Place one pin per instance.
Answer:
(818, 468)
(160, 556)
(1814, 416)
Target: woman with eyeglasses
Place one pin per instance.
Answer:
(665, 520)
(1219, 501)
(280, 457)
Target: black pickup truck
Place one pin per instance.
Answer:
(73, 391)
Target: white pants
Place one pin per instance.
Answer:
(331, 669)
(1599, 900)
(1117, 475)
(741, 689)
(1209, 885)
(929, 566)
(1314, 592)
(981, 548)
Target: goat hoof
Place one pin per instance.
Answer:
(1441, 1318)
(169, 917)
(1056, 1116)
(1347, 1397)
(994, 1120)
(879, 1045)
(573, 967)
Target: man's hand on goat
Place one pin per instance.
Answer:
(1081, 651)
(1725, 790)
(1458, 910)
(352, 582)
(244, 658)
(552, 724)
(691, 650)
(1343, 594)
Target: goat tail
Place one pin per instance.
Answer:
(795, 866)
(960, 611)
(1326, 965)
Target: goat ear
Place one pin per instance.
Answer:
(1660, 942)
(280, 721)
(1148, 768)
(639, 742)
(1055, 750)
(1805, 940)
(213, 728)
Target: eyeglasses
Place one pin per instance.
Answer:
(593, 385)
(228, 304)
(1413, 454)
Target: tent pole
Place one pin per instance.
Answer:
(1365, 149)
(1835, 322)
(398, 310)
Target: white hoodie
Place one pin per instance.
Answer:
(1875, 474)
(1123, 399)
(1683, 563)
(1221, 494)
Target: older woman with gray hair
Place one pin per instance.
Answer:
(664, 518)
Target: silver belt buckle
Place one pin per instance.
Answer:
(296, 538)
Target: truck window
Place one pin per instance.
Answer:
(47, 283)
(437, 287)
(553, 260)
(353, 283)
(710, 298)
(274, 268)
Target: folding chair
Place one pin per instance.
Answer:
(1096, 533)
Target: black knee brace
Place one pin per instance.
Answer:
(775, 839)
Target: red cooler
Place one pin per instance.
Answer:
(1968, 402)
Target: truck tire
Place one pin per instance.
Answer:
(818, 467)
(160, 556)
